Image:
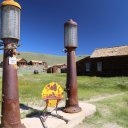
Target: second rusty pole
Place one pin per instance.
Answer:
(70, 32)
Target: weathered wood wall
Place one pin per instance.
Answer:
(111, 66)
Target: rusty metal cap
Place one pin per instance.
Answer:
(11, 3)
(71, 22)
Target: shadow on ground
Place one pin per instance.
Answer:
(43, 114)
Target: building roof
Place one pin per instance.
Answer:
(59, 65)
(21, 60)
(36, 61)
(114, 51)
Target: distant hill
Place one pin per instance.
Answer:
(50, 59)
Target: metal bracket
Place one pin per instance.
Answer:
(10, 46)
(45, 114)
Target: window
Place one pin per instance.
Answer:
(99, 66)
(88, 66)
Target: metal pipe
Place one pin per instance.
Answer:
(71, 85)
(10, 98)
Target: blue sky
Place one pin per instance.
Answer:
(101, 23)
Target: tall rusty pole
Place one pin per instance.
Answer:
(70, 39)
(10, 34)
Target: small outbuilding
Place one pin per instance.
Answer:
(21, 62)
(58, 68)
(40, 64)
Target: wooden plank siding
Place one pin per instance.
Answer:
(111, 66)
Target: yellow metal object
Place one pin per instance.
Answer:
(52, 103)
(51, 93)
(10, 2)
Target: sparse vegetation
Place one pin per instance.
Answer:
(112, 111)
(100, 86)
(87, 86)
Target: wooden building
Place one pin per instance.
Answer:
(81, 66)
(105, 62)
(35, 63)
(39, 64)
(21, 62)
(57, 68)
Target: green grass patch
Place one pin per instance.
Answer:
(112, 111)
(93, 86)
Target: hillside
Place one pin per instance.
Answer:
(50, 59)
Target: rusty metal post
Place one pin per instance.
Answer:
(71, 85)
(10, 34)
(10, 98)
